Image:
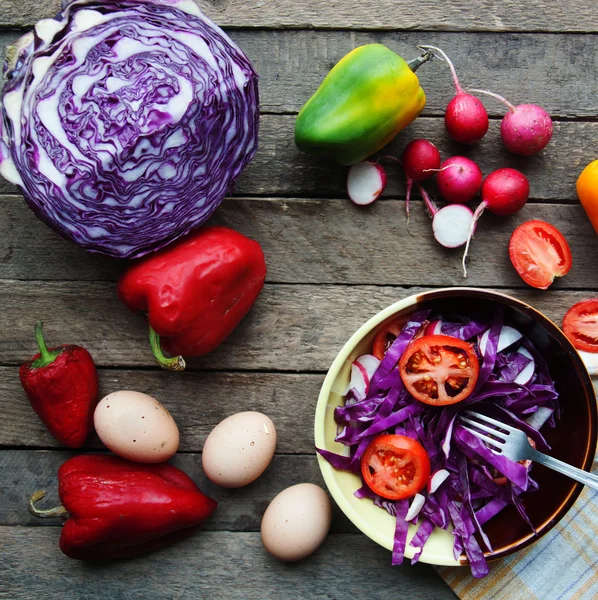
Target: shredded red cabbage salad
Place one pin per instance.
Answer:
(513, 386)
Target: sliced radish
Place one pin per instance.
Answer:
(416, 505)
(437, 479)
(360, 381)
(433, 328)
(508, 336)
(526, 375)
(370, 363)
(365, 182)
(540, 417)
(590, 360)
(451, 225)
(446, 443)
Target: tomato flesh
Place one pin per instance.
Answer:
(385, 337)
(395, 466)
(439, 369)
(581, 325)
(539, 252)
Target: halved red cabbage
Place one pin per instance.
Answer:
(470, 496)
(125, 122)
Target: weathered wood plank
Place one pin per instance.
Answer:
(219, 566)
(280, 169)
(457, 15)
(523, 67)
(291, 327)
(241, 509)
(321, 241)
(197, 400)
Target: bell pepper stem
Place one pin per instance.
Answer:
(417, 62)
(47, 356)
(176, 363)
(49, 513)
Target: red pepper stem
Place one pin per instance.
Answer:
(47, 356)
(176, 363)
(49, 513)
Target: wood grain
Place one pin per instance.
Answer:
(320, 241)
(456, 15)
(197, 400)
(280, 169)
(523, 67)
(238, 509)
(214, 565)
(291, 328)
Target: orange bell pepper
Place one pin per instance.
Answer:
(587, 190)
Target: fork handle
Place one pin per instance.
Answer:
(561, 467)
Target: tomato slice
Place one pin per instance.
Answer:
(439, 369)
(539, 253)
(395, 466)
(581, 325)
(386, 336)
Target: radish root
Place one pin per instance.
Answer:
(476, 215)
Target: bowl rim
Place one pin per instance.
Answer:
(412, 301)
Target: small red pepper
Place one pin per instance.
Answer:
(196, 291)
(62, 386)
(117, 508)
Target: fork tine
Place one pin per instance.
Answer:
(499, 434)
(494, 422)
(485, 438)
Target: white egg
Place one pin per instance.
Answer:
(136, 426)
(239, 449)
(296, 522)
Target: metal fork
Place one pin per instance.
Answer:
(513, 443)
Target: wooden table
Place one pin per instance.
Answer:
(331, 266)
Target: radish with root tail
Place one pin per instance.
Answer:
(365, 182)
(465, 117)
(526, 129)
(451, 224)
(459, 179)
(504, 192)
(420, 159)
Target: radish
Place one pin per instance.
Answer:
(504, 192)
(420, 158)
(526, 129)
(465, 117)
(507, 337)
(437, 479)
(433, 328)
(365, 182)
(360, 381)
(370, 363)
(459, 179)
(451, 224)
(415, 508)
(537, 419)
(528, 372)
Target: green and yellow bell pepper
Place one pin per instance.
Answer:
(365, 100)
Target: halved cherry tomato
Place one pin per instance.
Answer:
(439, 369)
(539, 253)
(395, 466)
(386, 336)
(581, 325)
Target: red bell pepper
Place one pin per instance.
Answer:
(116, 508)
(196, 291)
(62, 386)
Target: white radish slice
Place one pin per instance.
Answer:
(365, 182)
(416, 505)
(370, 363)
(451, 225)
(539, 417)
(526, 375)
(433, 328)
(590, 360)
(507, 337)
(360, 381)
(437, 479)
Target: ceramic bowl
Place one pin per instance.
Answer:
(573, 440)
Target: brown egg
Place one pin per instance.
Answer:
(239, 449)
(136, 426)
(296, 522)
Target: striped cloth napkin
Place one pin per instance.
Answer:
(562, 565)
